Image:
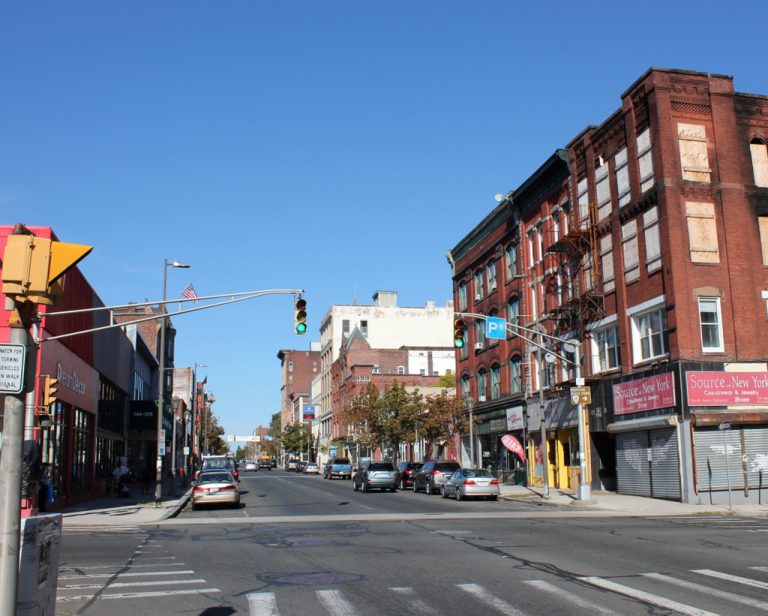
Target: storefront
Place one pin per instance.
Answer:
(70, 443)
(647, 432)
(729, 424)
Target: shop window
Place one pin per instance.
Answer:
(702, 232)
(759, 151)
(711, 322)
(692, 141)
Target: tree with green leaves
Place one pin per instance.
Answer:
(297, 438)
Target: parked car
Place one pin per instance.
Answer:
(300, 466)
(292, 464)
(250, 465)
(337, 467)
(310, 468)
(432, 475)
(220, 463)
(273, 462)
(470, 482)
(405, 474)
(215, 488)
(379, 475)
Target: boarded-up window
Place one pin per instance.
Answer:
(587, 269)
(692, 140)
(702, 232)
(629, 250)
(763, 226)
(645, 160)
(606, 258)
(603, 190)
(652, 243)
(583, 204)
(759, 152)
(622, 177)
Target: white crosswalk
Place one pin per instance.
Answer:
(564, 594)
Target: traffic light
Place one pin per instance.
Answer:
(300, 316)
(50, 387)
(458, 333)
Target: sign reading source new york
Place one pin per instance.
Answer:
(12, 368)
(495, 327)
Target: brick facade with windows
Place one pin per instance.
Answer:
(655, 264)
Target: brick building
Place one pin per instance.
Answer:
(646, 243)
(297, 370)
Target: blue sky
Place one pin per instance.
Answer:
(336, 146)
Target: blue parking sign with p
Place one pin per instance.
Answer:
(495, 327)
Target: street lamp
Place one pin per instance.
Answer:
(161, 388)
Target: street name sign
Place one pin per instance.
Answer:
(581, 395)
(12, 357)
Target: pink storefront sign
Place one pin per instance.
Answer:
(727, 388)
(654, 392)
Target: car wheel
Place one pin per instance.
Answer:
(427, 488)
(402, 485)
(393, 489)
(355, 487)
(459, 496)
(364, 486)
(443, 493)
(494, 497)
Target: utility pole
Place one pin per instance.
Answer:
(544, 452)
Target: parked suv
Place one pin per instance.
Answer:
(381, 475)
(337, 467)
(220, 463)
(405, 474)
(292, 464)
(433, 474)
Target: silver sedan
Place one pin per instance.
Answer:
(470, 482)
(215, 488)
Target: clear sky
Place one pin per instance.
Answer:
(339, 146)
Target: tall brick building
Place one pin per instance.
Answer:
(645, 243)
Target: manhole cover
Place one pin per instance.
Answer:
(317, 578)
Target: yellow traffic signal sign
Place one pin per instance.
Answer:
(50, 387)
(459, 327)
(33, 267)
(300, 316)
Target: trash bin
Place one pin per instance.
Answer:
(39, 565)
(520, 477)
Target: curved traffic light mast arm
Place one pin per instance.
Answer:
(236, 297)
(516, 332)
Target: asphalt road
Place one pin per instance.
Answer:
(531, 562)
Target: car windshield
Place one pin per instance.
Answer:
(447, 466)
(215, 478)
(477, 472)
(381, 466)
(341, 461)
(217, 464)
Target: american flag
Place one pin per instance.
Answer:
(189, 293)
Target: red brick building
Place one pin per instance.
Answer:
(297, 369)
(646, 242)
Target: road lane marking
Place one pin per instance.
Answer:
(138, 574)
(646, 596)
(412, 599)
(335, 604)
(117, 568)
(128, 584)
(487, 599)
(722, 594)
(577, 601)
(137, 595)
(262, 604)
(733, 578)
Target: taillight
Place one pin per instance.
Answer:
(199, 489)
(469, 482)
(436, 473)
(228, 488)
(494, 482)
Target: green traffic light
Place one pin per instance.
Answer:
(458, 343)
(301, 328)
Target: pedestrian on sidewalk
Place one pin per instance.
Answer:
(121, 474)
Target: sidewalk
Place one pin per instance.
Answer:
(623, 504)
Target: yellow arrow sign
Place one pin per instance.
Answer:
(65, 256)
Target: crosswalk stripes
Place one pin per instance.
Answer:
(335, 603)
(140, 572)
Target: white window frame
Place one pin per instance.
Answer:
(401, 370)
(621, 162)
(478, 278)
(510, 256)
(516, 374)
(717, 324)
(600, 339)
(490, 275)
(495, 382)
(462, 296)
(603, 190)
(641, 316)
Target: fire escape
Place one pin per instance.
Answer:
(581, 282)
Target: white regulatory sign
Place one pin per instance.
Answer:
(12, 358)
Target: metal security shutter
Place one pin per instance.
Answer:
(711, 448)
(632, 471)
(665, 466)
(756, 456)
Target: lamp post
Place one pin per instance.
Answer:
(471, 407)
(161, 388)
(195, 410)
